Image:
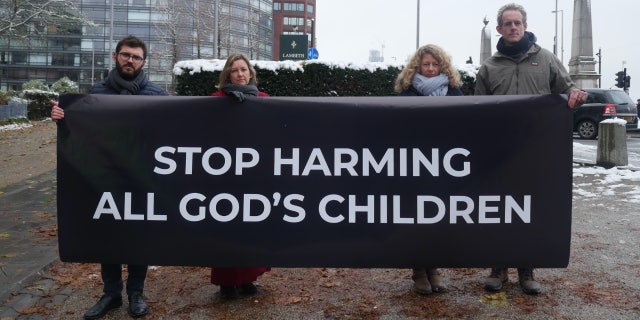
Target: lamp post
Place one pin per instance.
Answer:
(111, 37)
(599, 54)
(312, 33)
(555, 38)
(555, 45)
(418, 26)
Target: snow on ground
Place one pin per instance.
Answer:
(612, 184)
(15, 126)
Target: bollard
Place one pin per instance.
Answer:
(612, 143)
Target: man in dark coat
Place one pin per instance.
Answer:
(126, 78)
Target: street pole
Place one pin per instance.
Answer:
(215, 29)
(624, 81)
(555, 39)
(111, 38)
(312, 34)
(418, 26)
(93, 61)
(561, 34)
(599, 54)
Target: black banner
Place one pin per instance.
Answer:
(475, 181)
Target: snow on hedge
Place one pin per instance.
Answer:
(200, 65)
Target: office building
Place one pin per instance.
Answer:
(174, 30)
(296, 17)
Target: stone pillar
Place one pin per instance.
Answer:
(582, 66)
(612, 143)
(485, 42)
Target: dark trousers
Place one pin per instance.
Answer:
(112, 279)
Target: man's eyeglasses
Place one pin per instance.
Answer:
(126, 56)
(509, 24)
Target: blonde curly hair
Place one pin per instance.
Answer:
(403, 82)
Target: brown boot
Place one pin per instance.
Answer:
(435, 279)
(421, 283)
(528, 284)
(495, 280)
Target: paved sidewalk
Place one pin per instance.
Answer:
(27, 232)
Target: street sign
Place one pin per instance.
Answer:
(293, 47)
(312, 54)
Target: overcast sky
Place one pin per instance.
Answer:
(348, 29)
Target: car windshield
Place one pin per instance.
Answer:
(620, 97)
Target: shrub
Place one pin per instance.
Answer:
(35, 85)
(64, 85)
(305, 78)
(39, 106)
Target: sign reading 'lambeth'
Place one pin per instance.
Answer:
(293, 47)
(309, 182)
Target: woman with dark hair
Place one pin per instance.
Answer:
(237, 79)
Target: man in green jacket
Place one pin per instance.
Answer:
(522, 67)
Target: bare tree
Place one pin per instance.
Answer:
(253, 33)
(32, 17)
(187, 28)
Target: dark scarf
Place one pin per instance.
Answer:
(124, 86)
(250, 89)
(519, 49)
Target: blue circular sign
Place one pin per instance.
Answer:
(312, 53)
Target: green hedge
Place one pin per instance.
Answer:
(39, 106)
(301, 79)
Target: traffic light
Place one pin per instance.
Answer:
(620, 79)
(627, 82)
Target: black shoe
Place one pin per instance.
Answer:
(229, 292)
(248, 289)
(103, 306)
(137, 306)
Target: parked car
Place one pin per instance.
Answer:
(603, 104)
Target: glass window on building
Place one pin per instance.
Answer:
(239, 12)
(141, 31)
(139, 15)
(309, 9)
(277, 6)
(293, 21)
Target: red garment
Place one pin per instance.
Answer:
(235, 276)
(222, 94)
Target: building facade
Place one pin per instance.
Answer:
(295, 17)
(174, 30)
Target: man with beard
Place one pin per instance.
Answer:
(521, 66)
(126, 78)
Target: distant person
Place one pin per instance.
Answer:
(237, 80)
(428, 73)
(522, 67)
(127, 78)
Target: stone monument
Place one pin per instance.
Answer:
(582, 64)
(485, 42)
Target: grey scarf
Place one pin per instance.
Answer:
(125, 86)
(436, 86)
(231, 89)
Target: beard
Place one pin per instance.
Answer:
(126, 73)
